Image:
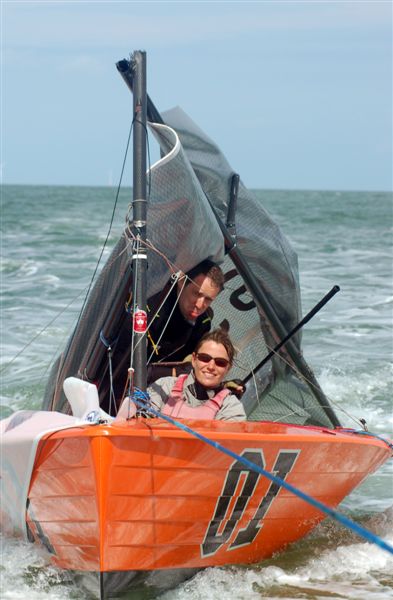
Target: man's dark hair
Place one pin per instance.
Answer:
(209, 269)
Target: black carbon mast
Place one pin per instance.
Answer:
(137, 67)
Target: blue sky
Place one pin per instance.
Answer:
(298, 95)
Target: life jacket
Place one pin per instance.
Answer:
(176, 406)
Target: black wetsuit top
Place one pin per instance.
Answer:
(180, 336)
(178, 341)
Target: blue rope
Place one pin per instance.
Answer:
(375, 435)
(141, 399)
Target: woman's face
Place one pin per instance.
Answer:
(207, 372)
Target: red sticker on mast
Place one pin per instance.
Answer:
(140, 321)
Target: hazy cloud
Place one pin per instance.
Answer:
(113, 24)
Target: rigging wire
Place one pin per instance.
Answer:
(87, 288)
(33, 339)
(301, 377)
(134, 281)
(174, 282)
(112, 399)
(136, 245)
(110, 224)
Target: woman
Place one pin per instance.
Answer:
(201, 394)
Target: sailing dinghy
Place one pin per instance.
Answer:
(132, 499)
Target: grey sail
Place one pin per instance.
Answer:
(191, 177)
(284, 389)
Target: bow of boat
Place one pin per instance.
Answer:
(143, 495)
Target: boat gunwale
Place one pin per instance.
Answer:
(229, 432)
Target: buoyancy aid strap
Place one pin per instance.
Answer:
(179, 385)
(175, 398)
(176, 405)
(219, 398)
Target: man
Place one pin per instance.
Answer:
(174, 332)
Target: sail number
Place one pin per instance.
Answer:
(236, 296)
(241, 483)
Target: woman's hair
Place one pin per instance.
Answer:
(220, 337)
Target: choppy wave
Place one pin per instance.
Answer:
(329, 564)
(341, 238)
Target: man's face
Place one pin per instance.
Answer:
(196, 296)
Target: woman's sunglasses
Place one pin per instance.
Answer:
(206, 358)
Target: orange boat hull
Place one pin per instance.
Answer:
(145, 496)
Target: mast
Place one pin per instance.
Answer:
(138, 225)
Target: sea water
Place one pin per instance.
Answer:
(52, 238)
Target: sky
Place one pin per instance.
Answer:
(298, 95)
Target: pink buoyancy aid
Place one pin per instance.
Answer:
(176, 406)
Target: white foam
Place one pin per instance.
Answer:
(26, 574)
(357, 394)
(29, 267)
(348, 571)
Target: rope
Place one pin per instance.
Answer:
(369, 433)
(141, 399)
(174, 282)
(112, 399)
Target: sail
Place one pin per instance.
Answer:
(285, 389)
(180, 233)
(192, 177)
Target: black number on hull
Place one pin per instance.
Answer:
(215, 539)
(282, 466)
